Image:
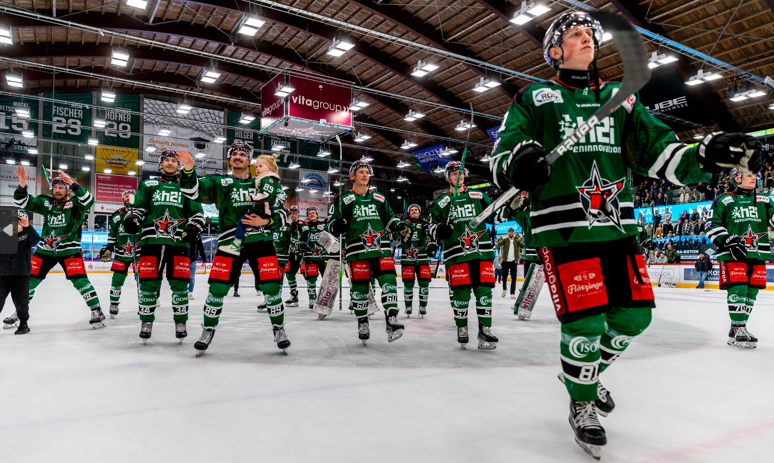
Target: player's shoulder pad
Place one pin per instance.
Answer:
(379, 197)
(763, 199)
(150, 182)
(519, 98)
(475, 195)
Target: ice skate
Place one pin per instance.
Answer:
(145, 332)
(408, 312)
(262, 307)
(233, 248)
(462, 336)
(204, 341)
(422, 311)
(293, 301)
(604, 403)
(113, 310)
(589, 434)
(281, 339)
(394, 329)
(11, 322)
(486, 340)
(97, 318)
(180, 332)
(236, 293)
(363, 330)
(22, 329)
(739, 336)
(311, 304)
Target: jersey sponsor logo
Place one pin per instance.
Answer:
(116, 218)
(469, 241)
(599, 198)
(166, 226)
(221, 267)
(444, 201)
(727, 200)
(151, 182)
(583, 284)
(764, 199)
(581, 346)
(47, 204)
(148, 267)
(486, 300)
(57, 220)
(268, 268)
(226, 181)
(349, 199)
(628, 103)
(546, 95)
(407, 272)
(476, 195)
(36, 261)
(379, 197)
(424, 272)
(744, 212)
(74, 266)
(173, 198)
(371, 239)
(460, 274)
(487, 272)
(68, 205)
(621, 341)
(181, 267)
(365, 211)
(361, 271)
(601, 137)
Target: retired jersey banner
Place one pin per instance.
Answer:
(11, 125)
(247, 133)
(69, 117)
(120, 160)
(110, 187)
(122, 122)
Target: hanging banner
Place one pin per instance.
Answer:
(314, 184)
(429, 158)
(12, 125)
(70, 117)
(122, 123)
(110, 187)
(247, 133)
(666, 93)
(493, 132)
(193, 132)
(120, 160)
(9, 182)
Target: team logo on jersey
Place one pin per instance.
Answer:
(469, 240)
(52, 241)
(166, 226)
(751, 239)
(411, 253)
(317, 251)
(371, 239)
(599, 198)
(128, 247)
(546, 95)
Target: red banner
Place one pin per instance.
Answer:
(319, 101)
(109, 187)
(272, 106)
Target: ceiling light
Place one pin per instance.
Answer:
(607, 36)
(132, 172)
(140, 162)
(323, 152)
(748, 94)
(337, 183)
(22, 112)
(219, 139)
(250, 26)
(357, 105)
(85, 168)
(392, 189)
(334, 52)
(451, 150)
(108, 96)
(402, 179)
(93, 141)
(246, 118)
(28, 134)
(24, 163)
(332, 170)
(463, 125)
(32, 150)
(141, 4)
(107, 170)
(285, 187)
(702, 77)
(306, 180)
(100, 123)
(528, 11)
(293, 165)
(210, 76)
(277, 146)
(485, 84)
(165, 131)
(366, 158)
(312, 191)
(698, 136)
(422, 69)
(5, 35)
(284, 90)
(339, 47)
(183, 108)
(439, 170)
(10, 161)
(89, 157)
(403, 164)
(407, 145)
(298, 188)
(63, 166)
(486, 158)
(14, 80)
(413, 115)
(200, 155)
(361, 137)
(150, 148)
(757, 93)
(771, 106)
(119, 57)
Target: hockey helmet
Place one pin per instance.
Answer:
(555, 34)
(59, 181)
(412, 206)
(454, 166)
(359, 164)
(737, 173)
(127, 192)
(168, 154)
(293, 209)
(239, 145)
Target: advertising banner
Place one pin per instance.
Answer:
(122, 126)
(107, 208)
(70, 117)
(247, 133)
(429, 158)
(120, 160)
(272, 106)
(11, 125)
(675, 209)
(109, 187)
(667, 93)
(314, 183)
(493, 132)
(9, 182)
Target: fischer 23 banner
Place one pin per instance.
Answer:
(70, 116)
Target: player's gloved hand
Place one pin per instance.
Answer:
(294, 228)
(304, 248)
(339, 226)
(443, 230)
(525, 167)
(191, 233)
(720, 150)
(432, 248)
(518, 203)
(735, 246)
(104, 254)
(404, 230)
(132, 224)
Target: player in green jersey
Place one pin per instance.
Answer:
(414, 261)
(168, 222)
(60, 242)
(601, 293)
(468, 254)
(314, 254)
(281, 237)
(233, 194)
(299, 232)
(364, 218)
(738, 225)
(122, 244)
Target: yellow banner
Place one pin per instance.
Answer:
(120, 160)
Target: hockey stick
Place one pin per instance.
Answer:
(341, 238)
(662, 274)
(456, 186)
(634, 58)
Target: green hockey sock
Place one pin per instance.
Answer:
(179, 300)
(359, 294)
(580, 356)
(213, 305)
(621, 326)
(408, 292)
(148, 295)
(483, 305)
(116, 284)
(460, 302)
(737, 304)
(273, 294)
(88, 293)
(389, 285)
(424, 293)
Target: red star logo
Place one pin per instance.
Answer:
(166, 225)
(128, 248)
(52, 241)
(598, 197)
(751, 239)
(469, 240)
(412, 253)
(372, 239)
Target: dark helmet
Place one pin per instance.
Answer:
(412, 206)
(359, 164)
(168, 154)
(555, 34)
(131, 192)
(454, 166)
(59, 181)
(293, 209)
(239, 146)
(310, 209)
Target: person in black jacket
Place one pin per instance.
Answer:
(703, 266)
(15, 272)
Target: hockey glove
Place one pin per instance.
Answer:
(735, 246)
(443, 231)
(518, 203)
(294, 228)
(525, 167)
(191, 233)
(132, 224)
(432, 248)
(303, 248)
(104, 254)
(404, 230)
(719, 150)
(339, 226)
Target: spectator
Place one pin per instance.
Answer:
(637, 202)
(660, 201)
(686, 228)
(660, 259)
(671, 254)
(709, 195)
(498, 267)
(685, 195)
(656, 218)
(703, 266)
(667, 217)
(668, 228)
(649, 228)
(659, 232)
(15, 270)
(768, 177)
(511, 245)
(694, 217)
(641, 219)
(695, 196)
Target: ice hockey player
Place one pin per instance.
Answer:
(299, 232)
(233, 194)
(533, 267)
(364, 218)
(602, 293)
(122, 244)
(281, 237)
(314, 254)
(168, 222)
(414, 261)
(738, 225)
(468, 254)
(60, 238)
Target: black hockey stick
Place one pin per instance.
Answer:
(636, 74)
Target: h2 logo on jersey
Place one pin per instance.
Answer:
(604, 132)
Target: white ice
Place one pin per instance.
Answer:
(73, 394)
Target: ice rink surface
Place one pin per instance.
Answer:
(74, 394)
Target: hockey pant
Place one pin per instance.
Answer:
(312, 270)
(363, 271)
(591, 344)
(226, 268)
(75, 271)
(409, 272)
(742, 281)
(473, 276)
(291, 269)
(120, 269)
(153, 259)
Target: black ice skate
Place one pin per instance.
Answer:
(486, 340)
(394, 329)
(351, 307)
(23, 329)
(180, 332)
(589, 434)
(462, 336)
(262, 307)
(97, 318)
(113, 310)
(204, 341)
(11, 322)
(739, 336)
(281, 338)
(422, 311)
(408, 311)
(363, 330)
(293, 301)
(145, 332)
(604, 403)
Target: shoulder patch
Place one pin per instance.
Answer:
(628, 103)
(547, 95)
(379, 197)
(116, 218)
(151, 182)
(444, 201)
(523, 91)
(348, 199)
(226, 181)
(727, 200)
(764, 199)
(476, 195)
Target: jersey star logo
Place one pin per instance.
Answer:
(412, 253)
(166, 226)
(52, 241)
(372, 239)
(128, 247)
(600, 198)
(469, 240)
(751, 239)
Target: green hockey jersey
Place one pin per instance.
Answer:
(281, 237)
(370, 219)
(316, 252)
(414, 252)
(233, 196)
(119, 241)
(299, 233)
(745, 215)
(62, 220)
(588, 197)
(466, 243)
(165, 212)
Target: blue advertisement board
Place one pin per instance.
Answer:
(713, 275)
(675, 209)
(493, 132)
(429, 158)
